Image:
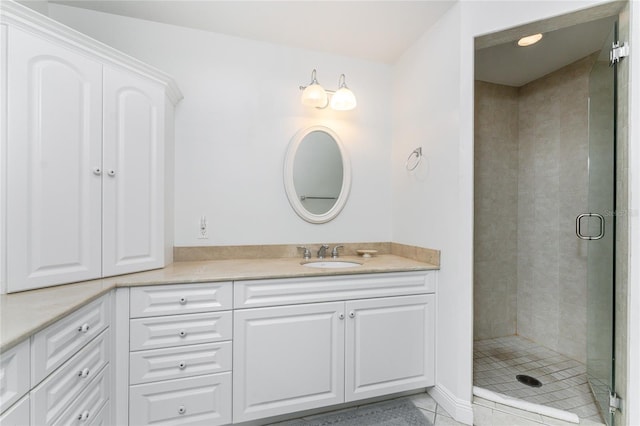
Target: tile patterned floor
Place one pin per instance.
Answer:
(496, 362)
(434, 414)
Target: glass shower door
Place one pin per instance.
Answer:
(599, 225)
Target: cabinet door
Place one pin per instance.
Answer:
(390, 345)
(53, 164)
(287, 359)
(134, 173)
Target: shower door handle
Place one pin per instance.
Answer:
(580, 235)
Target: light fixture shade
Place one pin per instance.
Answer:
(529, 40)
(343, 100)
(314, 95)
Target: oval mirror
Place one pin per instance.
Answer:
(317, 174)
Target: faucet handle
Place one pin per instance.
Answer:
(306, 252)
(334, 252)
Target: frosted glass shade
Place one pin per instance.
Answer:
(314, 95)
(343, 100)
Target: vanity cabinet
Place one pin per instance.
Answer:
(180, 354)
(291, 358)
(87, 130)
(62, 373)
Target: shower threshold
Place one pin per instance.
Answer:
(521, 404)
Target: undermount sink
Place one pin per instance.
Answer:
(330, 264)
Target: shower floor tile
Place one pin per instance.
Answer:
(496, 362)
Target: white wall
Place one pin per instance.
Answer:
(241, 108)
(433, 107)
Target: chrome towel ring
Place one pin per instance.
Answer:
(414, 159)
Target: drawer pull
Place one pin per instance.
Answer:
(83, 373)
(182, 333)
(181, 409)
(182, 365)
(183, 300)
(83, 416)
(84, 328)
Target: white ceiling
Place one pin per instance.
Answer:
(375, 30)
(512, 65)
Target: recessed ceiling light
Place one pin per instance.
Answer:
(529, 40)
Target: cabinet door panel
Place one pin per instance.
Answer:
(17, 415)
(53, 146)
(134, 174)
(14, 374)
(287, 359)
(389, 345)
(204, 400)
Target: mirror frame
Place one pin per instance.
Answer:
(290, 189)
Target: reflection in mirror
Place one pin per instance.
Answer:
(317, 174)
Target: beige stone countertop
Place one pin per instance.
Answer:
(24, 314)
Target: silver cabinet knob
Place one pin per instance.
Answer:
(182, 333)
(84, 373)
(111, 172)
(182, 365)
(341, 316)
(182, 409)
(352, 314)
(97, 171)
(84, 328)
(183, 300)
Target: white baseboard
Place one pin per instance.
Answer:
(460, 410)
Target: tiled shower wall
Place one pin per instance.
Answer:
(531, 183)
(496, 210)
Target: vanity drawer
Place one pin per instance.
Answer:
(16, 415)
(180, 299)
(59, 390)
(202, 400)
(289, 291)
(103, 418)
(179, 362)
(87, 407)
(177, 330)
(55, 344)
(14, 374)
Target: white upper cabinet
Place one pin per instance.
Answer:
(133, 188)
(85, 147)
(54, 145)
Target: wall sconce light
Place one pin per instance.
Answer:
(314, 95)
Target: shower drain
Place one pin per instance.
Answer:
(529, 381)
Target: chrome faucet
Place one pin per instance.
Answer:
(306, 252)
(322, 251)
(334, 252)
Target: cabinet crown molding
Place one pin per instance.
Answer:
(12, 13)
